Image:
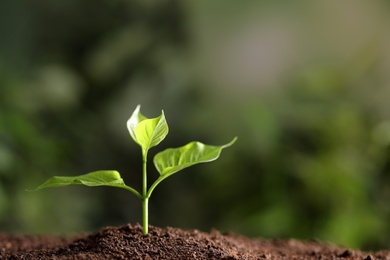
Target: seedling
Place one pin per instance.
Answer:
(147, 133)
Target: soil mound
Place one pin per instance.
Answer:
(128, 242)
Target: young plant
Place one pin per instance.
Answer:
(147, 133)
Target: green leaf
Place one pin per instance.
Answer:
(173, 160)
(98, 178)
(147, 132)
(134, 120)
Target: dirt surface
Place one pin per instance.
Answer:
(128, 242)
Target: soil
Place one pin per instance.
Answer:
(128, 242)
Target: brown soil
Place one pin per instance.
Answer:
(128, 242)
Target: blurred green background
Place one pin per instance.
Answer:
(303, 84)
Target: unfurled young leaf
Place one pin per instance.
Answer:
(147, 132)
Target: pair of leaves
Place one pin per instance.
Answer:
(147, 133)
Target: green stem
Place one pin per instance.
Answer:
(145, 202)
(145, 198)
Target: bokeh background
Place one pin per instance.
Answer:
(305, 85)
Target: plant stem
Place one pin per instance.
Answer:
(145, 215)
(145, 199)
